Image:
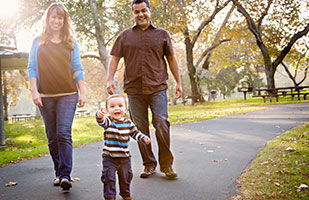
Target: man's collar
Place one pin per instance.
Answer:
(150, 25)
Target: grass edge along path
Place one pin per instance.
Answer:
(281, 169)
(27, 140)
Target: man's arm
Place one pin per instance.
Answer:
(175, 71)
(112, 68)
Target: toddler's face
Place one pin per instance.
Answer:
(116, 108)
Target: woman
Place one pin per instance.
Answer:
(56, 83)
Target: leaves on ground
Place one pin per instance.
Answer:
(11, 183)
(75, 179)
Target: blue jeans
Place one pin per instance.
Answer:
(58, 114)
(122, 166)
(138, 107)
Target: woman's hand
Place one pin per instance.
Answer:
(81, 100)
(36, 98)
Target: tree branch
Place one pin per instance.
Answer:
(90, 56)
(205, 22)
(263, 15)
(286, 50)
(289, 73)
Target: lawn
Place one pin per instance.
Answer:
(280, 170)
(26, 140)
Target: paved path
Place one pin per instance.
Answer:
(232, 141)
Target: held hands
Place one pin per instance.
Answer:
(100, 113)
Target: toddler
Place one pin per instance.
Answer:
(116, 155)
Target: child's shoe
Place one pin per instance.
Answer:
(65, 184)
(56, 181)
(127, 198)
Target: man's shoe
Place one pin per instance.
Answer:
(56, 181)
(169, 172)
(148, 171)
(127, 198)
(110, 199)
(65, 184)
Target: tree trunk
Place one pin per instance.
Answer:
(104, 57)
(2, 135)
(5, 99)
(192, 72)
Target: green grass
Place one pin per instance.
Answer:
(279, 169)
(26, 140)
(275, 174)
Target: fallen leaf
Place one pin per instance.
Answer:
(290, 149)
(11, 183)
(302, 187)
(75, 179)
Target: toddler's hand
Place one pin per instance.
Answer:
(147, 140)
(100, 113)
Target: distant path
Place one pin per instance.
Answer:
(209, 156)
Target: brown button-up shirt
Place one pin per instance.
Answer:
(144, 52)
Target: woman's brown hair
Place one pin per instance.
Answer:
(66, 31)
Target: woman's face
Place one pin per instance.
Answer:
(55, 21)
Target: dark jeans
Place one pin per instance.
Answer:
(58, 114)
(122, 166)
(138, 106)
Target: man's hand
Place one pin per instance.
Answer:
(178, 92)
(110, 85)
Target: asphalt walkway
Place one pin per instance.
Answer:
(209, 157)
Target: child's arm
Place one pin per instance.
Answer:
(101, 119)
(139, 136)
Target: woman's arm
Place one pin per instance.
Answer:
(81, 96)
(36, 97)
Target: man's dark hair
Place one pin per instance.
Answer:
(141, 1)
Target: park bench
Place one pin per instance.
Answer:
(194, 98)
(22, 117)
(82, 113)
(282, 92)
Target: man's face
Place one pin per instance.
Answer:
(141, 14)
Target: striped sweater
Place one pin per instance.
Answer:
(117, 136)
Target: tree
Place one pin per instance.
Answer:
(227, 80)
(185, 14)
(283, 29)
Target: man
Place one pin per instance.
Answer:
(144, 47)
